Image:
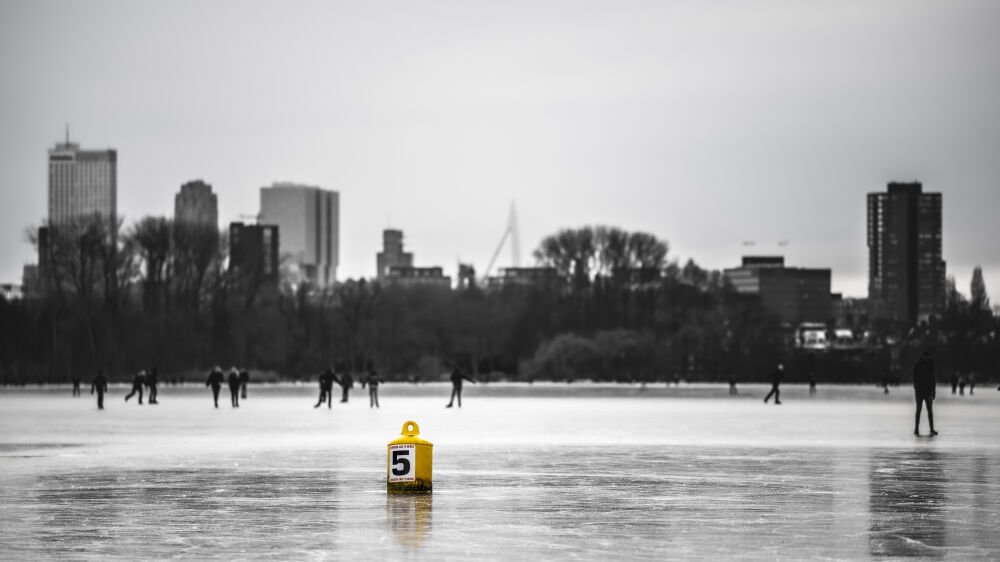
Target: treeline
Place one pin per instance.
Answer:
(162, 294)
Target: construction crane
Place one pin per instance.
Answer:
(515, 244)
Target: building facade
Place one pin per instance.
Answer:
(906, 273)
(409, 276)
(196, 204)
(82, 184)
(253, 252)
(392, 254)
(796, 295)
(309, 220)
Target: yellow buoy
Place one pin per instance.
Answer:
(409, 463)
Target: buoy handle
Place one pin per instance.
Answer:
(410, 429)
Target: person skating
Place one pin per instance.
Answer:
(234, 387)
(372, 380)
(954, 382)
(346, 382)
(137, 382)
(100, 385)
(326, 380)
(924, 388)
(151, 382)
(76, 385)
(457, 376)
(776, 378)
(215, 380)
(244, 381)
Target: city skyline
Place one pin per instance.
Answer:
(677, 120)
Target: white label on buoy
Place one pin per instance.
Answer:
(402, 463)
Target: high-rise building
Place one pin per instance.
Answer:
(906, 275)
(196, 204)
(392, 254)
(309, 220)
(253, 252)
(794, 294)
(82, 183)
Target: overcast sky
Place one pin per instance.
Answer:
(706, 123)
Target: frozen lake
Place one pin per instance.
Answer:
(521, 472)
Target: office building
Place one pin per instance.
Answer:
(796, 295)
(82, 185)
(906, 275)
(308, 218)
(196, 204)
(392, 254)
(409, 276)
(253, 253)
(525, 277)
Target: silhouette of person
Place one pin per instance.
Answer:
(954, 382)
(972, 382)
(244, 381)
(76, 385)
(372, 380)
(346, 382)
(732, 384)
(811, 368)
(776, 378)
(137, 381)
(924, 387)
(215, 380)
(457, 376)
(885, 383)
(100, 384)
(326, 380)
(151, 382)
(234, 387)
(961, 385)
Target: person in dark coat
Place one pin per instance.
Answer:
(776, 378)
(215, 380)
(457, 376)
(234, 387)
(244, 381)
(137, 382)
(151, 382)
(100, 384)
(346, 382)
(326, 380)
(76, 385)
(924, 387)
(372, 380)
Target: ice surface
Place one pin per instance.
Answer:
(589, 472)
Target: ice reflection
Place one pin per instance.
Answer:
(408, 517)
(908, 504)
(134, 511)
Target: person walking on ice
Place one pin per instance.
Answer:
(100, 385)
(215, 380)
(457, 376)
(234, 387)
(372, 380)
(326, 380)
(924, 387)
(776, 378)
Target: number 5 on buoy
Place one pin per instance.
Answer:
(409, 462)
